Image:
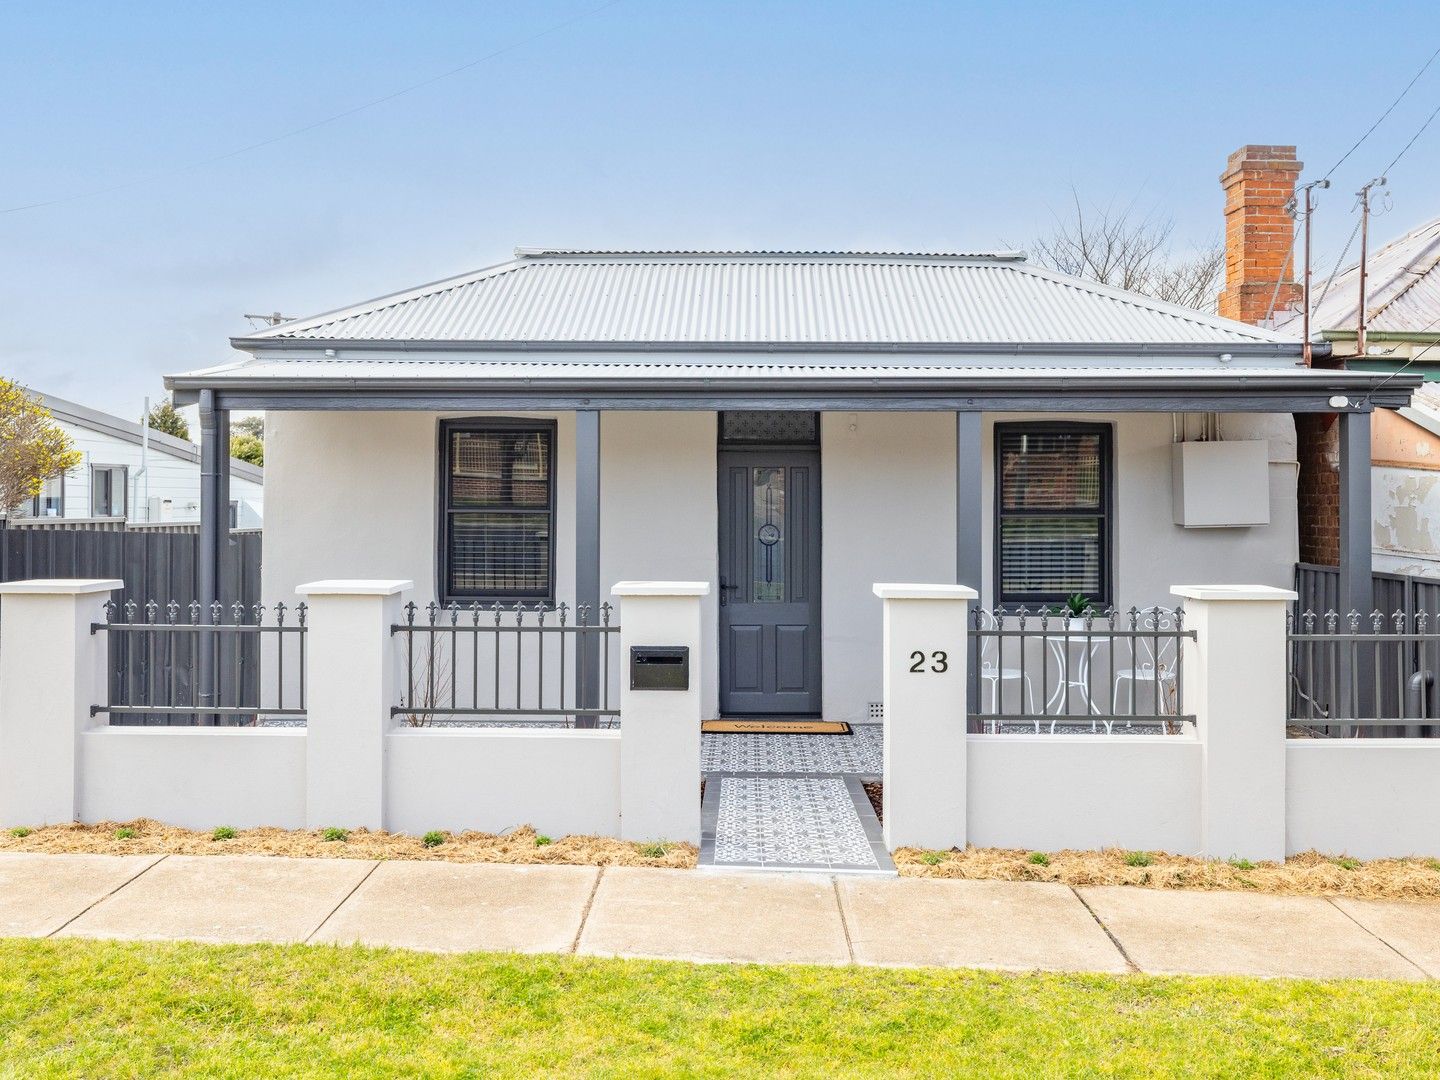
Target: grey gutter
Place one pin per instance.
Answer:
(1235, 348)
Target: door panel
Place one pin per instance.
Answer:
(770, 577)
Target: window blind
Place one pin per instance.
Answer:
(1052, 521)
(499, 512)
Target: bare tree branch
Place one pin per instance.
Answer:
(1114, 247)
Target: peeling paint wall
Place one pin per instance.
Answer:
(1406, 507)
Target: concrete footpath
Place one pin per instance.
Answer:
(685, 915)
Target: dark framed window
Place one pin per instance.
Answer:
(497, 510)
(108, 486)
(1053, 527)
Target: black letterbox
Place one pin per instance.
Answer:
(659, 667)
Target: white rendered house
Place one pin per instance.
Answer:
(790, 428)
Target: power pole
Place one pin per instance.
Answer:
(1308, 190)
(1364, 196)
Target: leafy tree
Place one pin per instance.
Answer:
(33, 448)
(247, 447)
(165, 417)
(250, 425)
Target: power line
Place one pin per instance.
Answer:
(1406, 148)
(272, 140)
(1369, 131)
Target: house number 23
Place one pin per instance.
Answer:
(939, 662)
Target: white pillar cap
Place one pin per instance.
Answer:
(353, 587)
(661, 588)
(890, 591)
(60, 586)
(1232, 592)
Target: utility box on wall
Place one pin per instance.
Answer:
(1219, 485)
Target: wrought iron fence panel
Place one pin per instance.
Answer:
(510, 663)
(1365, 674)
(1036, 670)
(180, 664)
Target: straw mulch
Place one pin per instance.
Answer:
(516, 846)
(1308, 874)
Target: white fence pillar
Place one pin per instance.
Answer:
(349, 689)
(925, 685)
(1234, 675)
(52, 669)
(660, 729)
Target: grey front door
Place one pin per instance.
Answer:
(769, 582)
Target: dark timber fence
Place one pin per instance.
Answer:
(1371, 673)
(159, 564)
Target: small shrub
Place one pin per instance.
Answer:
(1039, 858)
(223, 832)
(1242, 864)
(542, 840)
(1347, 863)
(1138, 858)
(433, 838)
(126, 833)
(1433, 864)
(334, 834)
(656, 850)
(933, 858)
(20, 832)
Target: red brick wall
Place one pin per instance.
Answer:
(1317, 439)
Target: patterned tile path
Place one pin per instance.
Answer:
(791, 802)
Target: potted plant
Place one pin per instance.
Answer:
(1073, 611)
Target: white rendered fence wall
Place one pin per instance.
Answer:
(196, 778)
(1052, 792)
(1233, 787)
(353, 765)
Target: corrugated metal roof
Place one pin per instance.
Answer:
(1402, 289)
(719, 299)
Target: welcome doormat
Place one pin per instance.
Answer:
(775, 727)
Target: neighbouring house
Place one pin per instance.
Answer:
(1402, 331)
(136, 473)
(790, 427)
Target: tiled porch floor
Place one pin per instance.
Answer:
(858, 753)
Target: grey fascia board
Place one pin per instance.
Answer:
(1292, 350)
(1254, 394)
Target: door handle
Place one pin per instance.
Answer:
(726, 588)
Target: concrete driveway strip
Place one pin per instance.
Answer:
(1015, 926)
(1226, 933)
(461, 907)
(41, 893)
(1411, 928)
(684, 915)
(224, 899)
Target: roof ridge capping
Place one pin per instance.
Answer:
(524, 252)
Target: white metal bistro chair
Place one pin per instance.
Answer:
(996, 674)
(1152, 665)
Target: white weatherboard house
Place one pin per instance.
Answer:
(791, 428)
(127, 471)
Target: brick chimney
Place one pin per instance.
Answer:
(1258, 182)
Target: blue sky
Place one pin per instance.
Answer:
(647, 124)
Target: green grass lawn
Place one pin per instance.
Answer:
(75, 1008)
